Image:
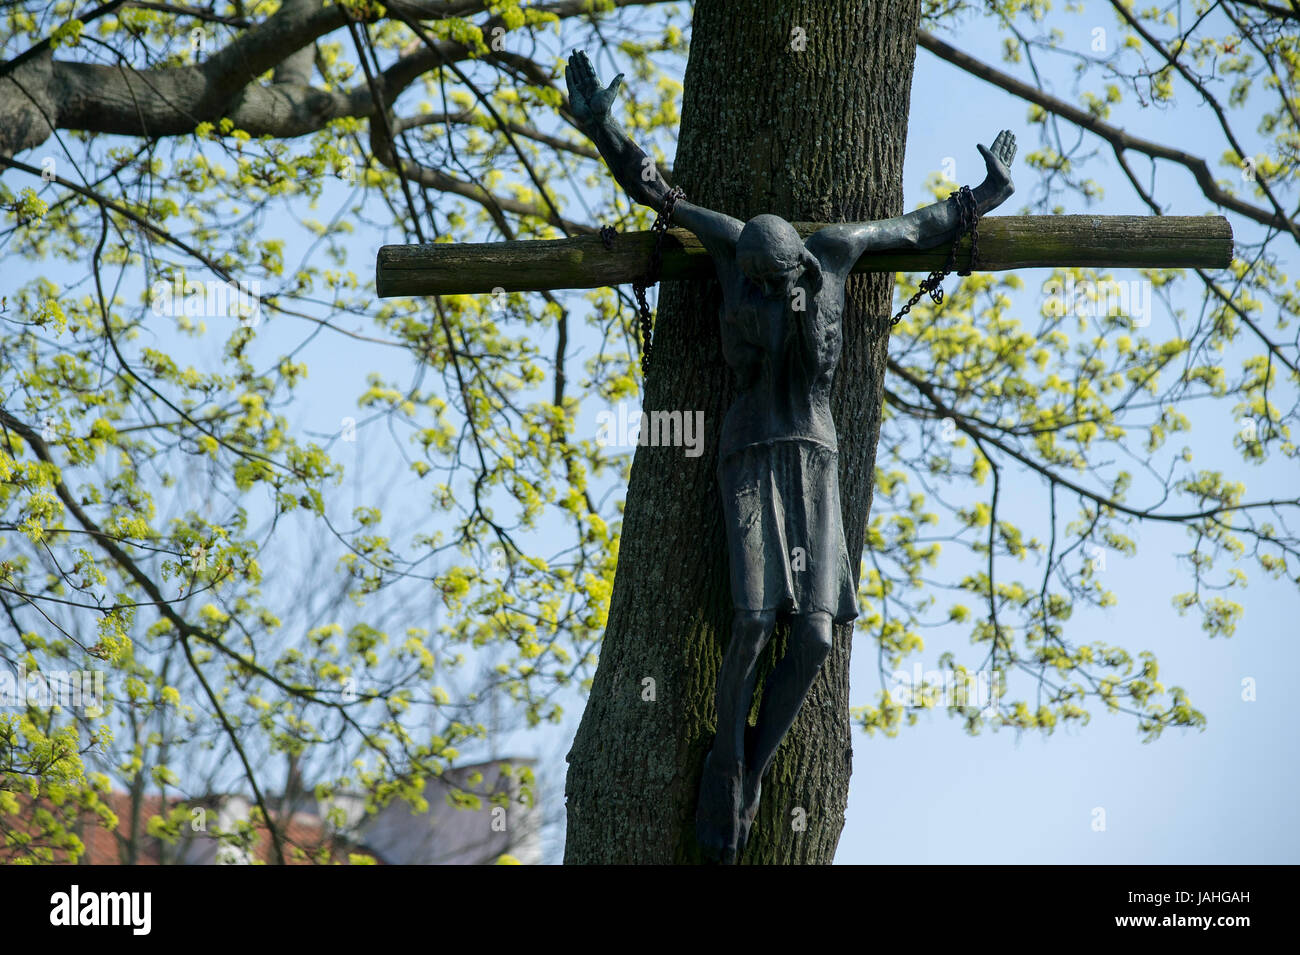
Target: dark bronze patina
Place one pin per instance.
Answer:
(782, 303)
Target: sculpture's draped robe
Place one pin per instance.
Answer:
(778, 456)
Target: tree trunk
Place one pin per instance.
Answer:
(812, 134)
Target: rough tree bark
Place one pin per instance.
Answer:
(813, 134)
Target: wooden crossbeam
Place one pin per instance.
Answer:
(1006, 242)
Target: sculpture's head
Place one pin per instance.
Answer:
(772, 255)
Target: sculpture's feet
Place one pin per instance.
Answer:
(717, 815)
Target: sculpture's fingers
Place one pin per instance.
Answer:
(1006, 145)
(589, 72)
(572, 76)
(580, 68)
(614, 86)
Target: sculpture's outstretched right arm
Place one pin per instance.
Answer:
(632, 168)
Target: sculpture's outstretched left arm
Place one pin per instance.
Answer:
(840, 246)
(634, 170)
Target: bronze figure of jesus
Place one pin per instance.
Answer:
(782, 302)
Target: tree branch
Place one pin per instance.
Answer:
(963, 423)
(127, 101)
(1118, 138)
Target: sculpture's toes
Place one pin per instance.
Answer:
(717, 835)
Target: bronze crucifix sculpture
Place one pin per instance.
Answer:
(782, 303)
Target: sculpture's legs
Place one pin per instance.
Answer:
(783, 695)
(717, 818)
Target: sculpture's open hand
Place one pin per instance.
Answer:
(589, 102)
(997, 185)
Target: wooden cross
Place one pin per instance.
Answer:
(1006, 242)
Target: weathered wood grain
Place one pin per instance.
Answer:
(1006, 242)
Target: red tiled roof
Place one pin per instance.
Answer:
(303, 838)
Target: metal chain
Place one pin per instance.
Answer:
(968, 220)
(660, 228)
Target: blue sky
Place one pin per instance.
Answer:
(1224, 795)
